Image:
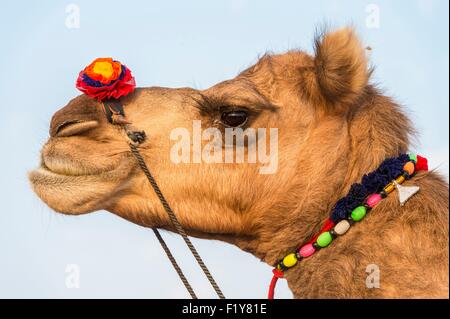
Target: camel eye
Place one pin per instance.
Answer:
(234, 118)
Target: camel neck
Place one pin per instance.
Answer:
(351, 209)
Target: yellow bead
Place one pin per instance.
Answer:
(290, 260)
(400, 179)
(389, 188)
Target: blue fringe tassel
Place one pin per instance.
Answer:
(371, 183)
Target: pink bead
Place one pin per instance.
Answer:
(374, 200)
(307, 250)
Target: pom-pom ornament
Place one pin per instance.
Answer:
(105, 79)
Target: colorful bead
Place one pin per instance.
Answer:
(341, 227)
(400, 179)
(409, 168)
(389, 188)
(307, 250)
(413, 157)
(358, 213)
(373, 200)
(324, 239)
(290, 260)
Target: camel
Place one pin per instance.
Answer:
(334, 126)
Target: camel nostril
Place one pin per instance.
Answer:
(75, 127)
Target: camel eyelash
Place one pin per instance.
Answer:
(210, 106)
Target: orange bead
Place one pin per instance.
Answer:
(409, 168)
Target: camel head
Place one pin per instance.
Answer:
(331, 127)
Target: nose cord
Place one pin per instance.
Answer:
(178, 228)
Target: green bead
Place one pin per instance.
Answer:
(290, 260)
(413, 157)
(358, 213)
(324, 239)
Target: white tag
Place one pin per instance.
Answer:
(405, 192)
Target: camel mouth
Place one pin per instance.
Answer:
(77, 190)
(68, 167)
(60, 170)
(42, 176)
(67, 194)
(67, 173)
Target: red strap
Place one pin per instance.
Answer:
(276, 274)
(279, 274)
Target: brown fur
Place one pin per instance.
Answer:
(340, 68)
(333, 128)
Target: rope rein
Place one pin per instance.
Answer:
(174, 264)
(178, 228)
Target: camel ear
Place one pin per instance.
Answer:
(340, 68)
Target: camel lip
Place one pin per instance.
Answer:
(69, 170)
(73, 172)
(42, 176)
(53, 187)
(45, 170)
(59, 166)
(45, 174)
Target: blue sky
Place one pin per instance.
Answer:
(174, 44)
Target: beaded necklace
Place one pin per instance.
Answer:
(352, 208)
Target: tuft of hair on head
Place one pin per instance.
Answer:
(340, 71)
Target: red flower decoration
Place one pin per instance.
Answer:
(104, 79)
